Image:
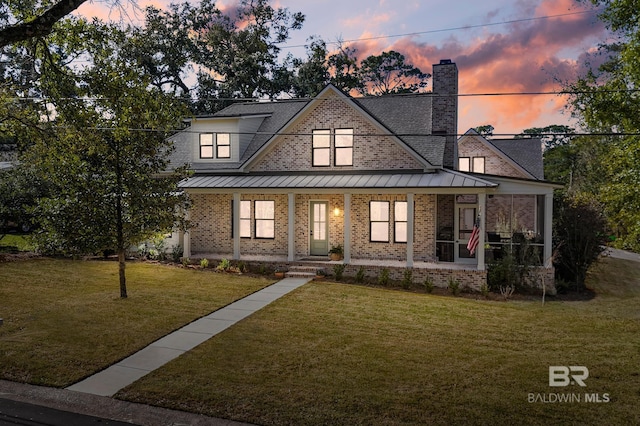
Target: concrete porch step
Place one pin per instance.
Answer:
(301, 271)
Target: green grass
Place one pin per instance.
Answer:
(64, 320)
(16, 240)
(338, 354)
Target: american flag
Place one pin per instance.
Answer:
(472, 245)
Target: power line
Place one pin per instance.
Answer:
(491, 24)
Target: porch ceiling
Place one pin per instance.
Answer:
(438, 179)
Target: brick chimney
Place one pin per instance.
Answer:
(444, 114)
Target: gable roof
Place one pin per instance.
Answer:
(408, 118)
(524, 153)
(527, 152)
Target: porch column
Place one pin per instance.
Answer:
(236, 226)
(186, 239)
(347, 228)
(482, 209)
(291, 227)
(548, 236)
(410, 225)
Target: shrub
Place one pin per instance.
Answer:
(224, 265)
(383, 278)
(360, 275)
(454, 286)
(580, 237)
(338, 270)
(407, 279)
(428, 284)
(186, 261)
(176, 252)
(204, 263)
(484, 289)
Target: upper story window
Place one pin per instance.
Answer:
(344, 147)
(321, 148)
(342, 142)
(215, 143)
(471, 164)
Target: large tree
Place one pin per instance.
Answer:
(107, 162)
(606, 100)
(388, 74)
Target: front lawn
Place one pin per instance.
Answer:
(339, 354)
(64, 320)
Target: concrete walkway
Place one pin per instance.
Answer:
(108, 382)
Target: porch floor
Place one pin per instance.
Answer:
(323, 260)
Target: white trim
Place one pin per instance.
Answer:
(347, 228)
(236, 226)
(291, 227)
(410, 226)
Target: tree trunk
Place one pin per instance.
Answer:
(123, 279)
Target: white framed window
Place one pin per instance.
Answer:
(478, 164)
(223, 145)
(321, 148)
(343, 147)
(206, 145)
(464, 164)
(379, 221)
(265, 219)
(400, 221)
(245, 219)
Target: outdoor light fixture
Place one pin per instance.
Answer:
(336, 211)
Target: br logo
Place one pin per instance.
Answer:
(560, 375)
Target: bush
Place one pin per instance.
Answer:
(360, 275)
(383, 278)
(407, 279)
(454, 286)
(580, 237)
(428, 284)
(176, 253)
(338, 270)
(224, 265)
(204, 263)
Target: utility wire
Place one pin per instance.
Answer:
(466, 27)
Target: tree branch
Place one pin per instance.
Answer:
(41, 25)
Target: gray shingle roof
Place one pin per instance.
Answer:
(407, 117)
(526, 152)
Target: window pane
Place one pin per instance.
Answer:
(380, 231)
(401, 211)
(463, 164)
(265, 229)
(245, 209)
(223, 139)
(379, 211)
(321, 157)
(206, 145)
(265, 209)
(344, 138)
(401, 232)
(206, 152)
(245, 228)
(344, 156)
(321, 139)
(224, 151)
(478, 164)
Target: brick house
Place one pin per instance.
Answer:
(285, 181)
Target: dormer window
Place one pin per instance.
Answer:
(215, 143)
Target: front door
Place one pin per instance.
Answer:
(319, 228)
(467, 211)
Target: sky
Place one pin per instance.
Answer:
(499, 46)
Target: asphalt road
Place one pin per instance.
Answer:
(21, 413)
